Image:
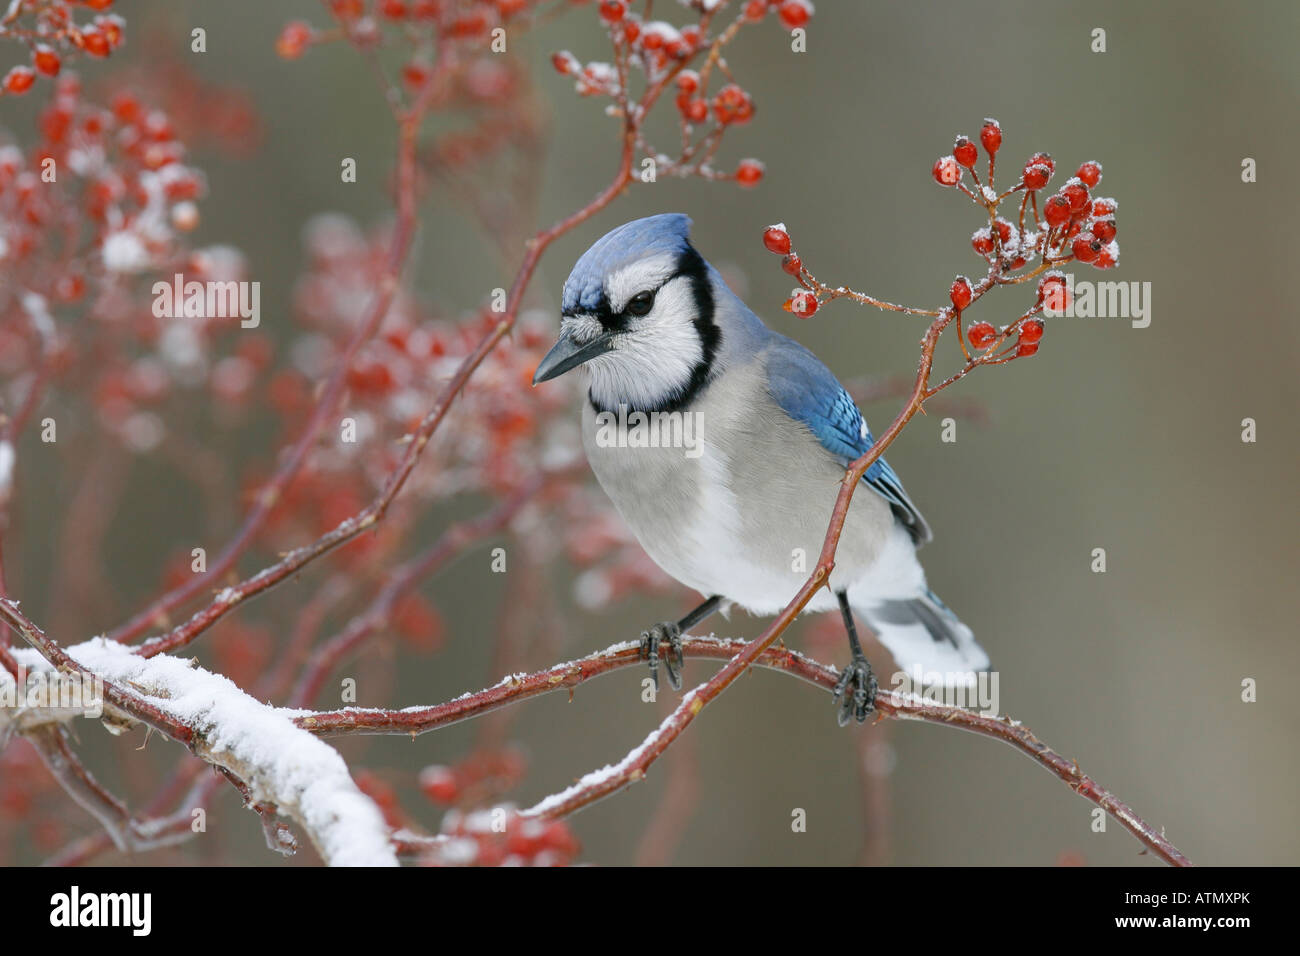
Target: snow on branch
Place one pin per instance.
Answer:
(281, 764)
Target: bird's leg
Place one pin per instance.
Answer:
(857, 675)
(671, 631)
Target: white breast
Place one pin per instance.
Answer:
(743, 515)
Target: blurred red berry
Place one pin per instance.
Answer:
(46, 60)
(611, 11)
(1026, 348)
(792, 264)
(795, 13)
(749, 172)
(95, 43)
(1103, 207)
(293, 40)
(19, 79)
(756, 9)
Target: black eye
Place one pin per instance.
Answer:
(640, 304)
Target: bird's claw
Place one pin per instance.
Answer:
(674, 660)
(862, 700)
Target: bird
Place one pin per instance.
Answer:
(670, 354)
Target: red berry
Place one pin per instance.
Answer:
(393, 9)
(98, 4)
(439, 784)
(1042, 159)
(991, 136)
(1036, 176)
(1090, 173)
(1076, 193)
(795, 13)
(960, 293)
(982, 241)
(1026, 348)
(1104, 229)
(1086, 248)
(946, 171)
(981, 335)
(20, 79)
(1031, 330)
(749, 172)
(792, 264)
(46, 60)
(688, 81)
(1004, 229)
(1108, 257)
(95, 43)
(802, 303)
(755, 9)
(611, 11)
(697, 111)
(564, 62)
(1053, 292)
(1103, 207)
(293, 40)
(777, 240)
(1056, 210)
(964, 152)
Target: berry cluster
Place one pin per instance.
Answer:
(479, 778)
(50, 31)
(503, 837)
(1072, 225)
(662, 51)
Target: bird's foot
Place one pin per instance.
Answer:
(857, 687)
(674, 660)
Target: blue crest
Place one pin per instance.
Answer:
(584, 290)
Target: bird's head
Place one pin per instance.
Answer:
(638, 312)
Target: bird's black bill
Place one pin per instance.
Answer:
(566, 354)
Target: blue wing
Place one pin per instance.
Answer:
(809, 393)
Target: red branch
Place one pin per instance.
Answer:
(889, 704)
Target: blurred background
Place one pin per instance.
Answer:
(1111, 437)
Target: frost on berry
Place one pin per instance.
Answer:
(946, 171)
(776, 239)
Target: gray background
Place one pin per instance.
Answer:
(1112, 437)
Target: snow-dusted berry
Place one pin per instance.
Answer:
(946, 171)
(776, 239)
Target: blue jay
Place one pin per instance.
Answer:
(739, 518)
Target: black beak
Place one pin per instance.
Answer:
(566, 354)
